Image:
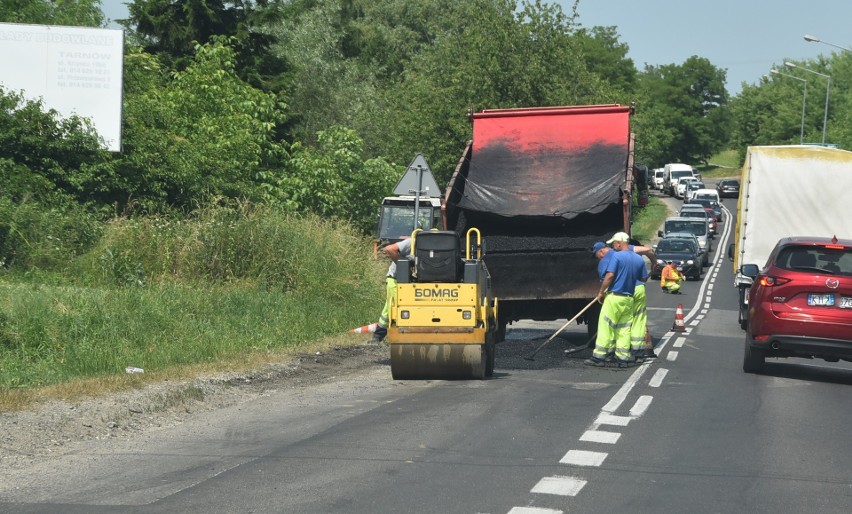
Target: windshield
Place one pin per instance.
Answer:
(693, 214)
(681, 174)
(698, 228)
(834, 261)
(675, 246)
(397, 221)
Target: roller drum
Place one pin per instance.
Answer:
(440, 361)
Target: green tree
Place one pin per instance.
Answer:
(75, 13)
(171, 29)
(511, 57)
(333, 179)
(687, 103)
(44, 156)
(325, 87)
(193, 134)
(605, 55)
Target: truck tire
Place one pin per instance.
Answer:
(500, 336)
(741, 312)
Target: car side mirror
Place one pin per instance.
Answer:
(750, 270)
(660, 233)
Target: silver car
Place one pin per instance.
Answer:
(694, 226)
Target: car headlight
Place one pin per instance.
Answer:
(702, 243)
(690, 262)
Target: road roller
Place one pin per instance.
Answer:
(443, 322)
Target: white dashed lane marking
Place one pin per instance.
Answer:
(641, 406)
(610, 419)
(671, 356)
(600, 436)
(533, 510)
(679, 342)
(658, 377)
(563, 486)
(583, 458)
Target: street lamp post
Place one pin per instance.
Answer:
(827, 89)
(804, 98)
(814, 39)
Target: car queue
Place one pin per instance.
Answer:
(797, 302)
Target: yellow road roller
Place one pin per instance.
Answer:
(443, 323)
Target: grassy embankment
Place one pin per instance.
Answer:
(722, 165)
(647, 220)
(231, 288)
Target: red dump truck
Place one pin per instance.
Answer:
(543, 185)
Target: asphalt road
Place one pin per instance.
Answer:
(689, 432)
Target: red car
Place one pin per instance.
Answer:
(800, 304)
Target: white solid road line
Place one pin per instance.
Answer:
(622, 393)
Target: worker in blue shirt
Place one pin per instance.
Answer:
(640, 338)
(619, 272)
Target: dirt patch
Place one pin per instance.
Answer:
(58, 426)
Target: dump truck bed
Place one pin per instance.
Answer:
(543, 185)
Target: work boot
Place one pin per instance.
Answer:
(594, 361)
(622, 364)
(380, 334)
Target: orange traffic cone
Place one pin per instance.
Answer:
(679, 325)
(366, 329)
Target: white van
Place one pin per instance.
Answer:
(659, 175)
(672, 173)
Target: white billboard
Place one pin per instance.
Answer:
(75, 70)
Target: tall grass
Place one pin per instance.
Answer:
(156, 292)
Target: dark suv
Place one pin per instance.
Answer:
(800, 304)
(728, 188)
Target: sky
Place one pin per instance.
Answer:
(745, 37)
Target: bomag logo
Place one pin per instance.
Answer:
(436, 293)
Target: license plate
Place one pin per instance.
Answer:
(845, 302)
(823, 300)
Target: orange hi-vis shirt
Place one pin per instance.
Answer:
(670, 274)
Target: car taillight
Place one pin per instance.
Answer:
(769, 281)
